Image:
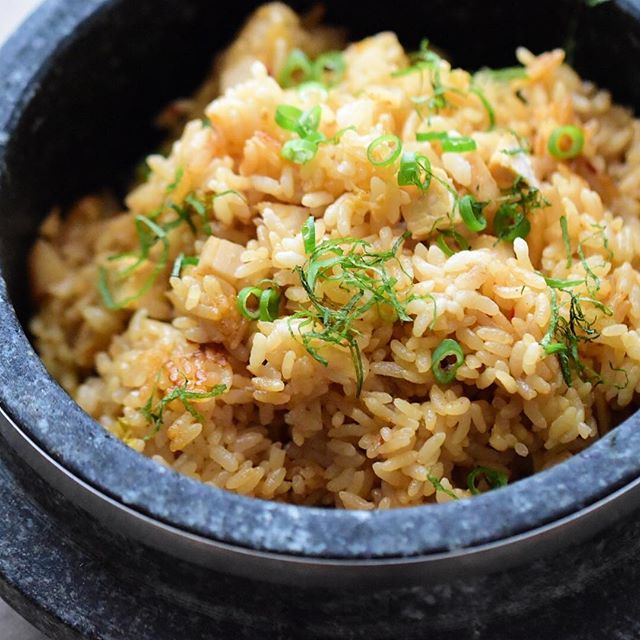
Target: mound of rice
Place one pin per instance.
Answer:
(289, 427)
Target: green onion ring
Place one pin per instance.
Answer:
(393, 154)
(557, 146)
(269, 305)
(242, 300)
(443, 372)
(296, 62)
(331, 64)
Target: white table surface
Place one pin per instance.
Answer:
(12, 626)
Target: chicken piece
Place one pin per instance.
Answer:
(221, 258)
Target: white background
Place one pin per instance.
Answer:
(12, 626)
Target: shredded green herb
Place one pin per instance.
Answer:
(512, 218)
(438, 486)
(426, 60)
(360, 271)
(567, 332)
(566, 240)
(487, 106)
(150, 232)
(155, 415)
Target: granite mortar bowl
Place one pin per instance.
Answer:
(80, 83)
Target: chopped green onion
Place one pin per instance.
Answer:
(471, 212)
(412, 167)
(309, 121)
(264, 306)
(441, 241)
(309, 235)
(269, 305)
(566, 240)
(300, 150)
(297, 69)
(176, 180)
(242, 302)
(329, 68)
(389, 143)
(510, 223)
(443, 370)
(450, 144)
(566, 142)
(288, 117)
(487, 107)
(495, 479)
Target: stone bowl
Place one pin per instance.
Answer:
(80, 83)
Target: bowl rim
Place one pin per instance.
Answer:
(81, 446)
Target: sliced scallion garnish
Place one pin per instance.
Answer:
(329, 68)
(297, 69)
(566, 142)
(443, 368)
(384, 150)
(415, 169)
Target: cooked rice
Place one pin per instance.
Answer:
(289, 428)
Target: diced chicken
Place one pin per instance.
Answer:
(221, 258)
(506, 167)
(434, 205)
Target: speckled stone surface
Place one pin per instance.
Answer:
(74, 580)
(50, 76)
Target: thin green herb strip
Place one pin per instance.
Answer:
(156, 415)
(566, 240)
(362, 272)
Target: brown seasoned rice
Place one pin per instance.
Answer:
(289, 428)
